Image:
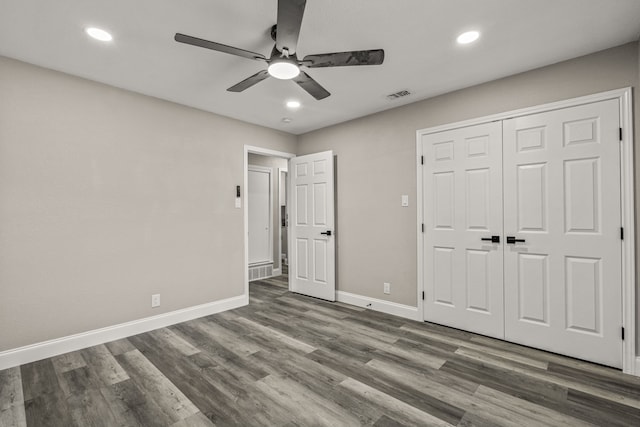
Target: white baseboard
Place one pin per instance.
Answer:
(277, 272)
(406, 311)
(636, 371)
(42, 350)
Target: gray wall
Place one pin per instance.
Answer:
(273, 163)
(107, 197)
(376, 163)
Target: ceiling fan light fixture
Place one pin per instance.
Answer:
(468, 37)
(283, 70)
(99, 34)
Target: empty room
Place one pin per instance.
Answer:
(319, 213)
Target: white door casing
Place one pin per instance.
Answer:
(311, 213)
(259, 204)
(562, 197)
(462, 184)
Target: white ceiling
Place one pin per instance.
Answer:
(418, 37)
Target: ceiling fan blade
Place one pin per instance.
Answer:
(249, 81)
(345, 59)
(311, 86)
(290, 14)
(182, 38)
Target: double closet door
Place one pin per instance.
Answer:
(522, 230)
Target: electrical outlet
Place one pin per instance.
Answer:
(155, 300)
(387, 288)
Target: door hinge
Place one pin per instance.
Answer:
(423, 227)
(622, 333)
(422, 295)
(422, 160)
(620, 133)
(621, 233)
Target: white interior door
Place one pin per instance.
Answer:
(562, 200)
(311, 226)
(462, 206)
(259, 206)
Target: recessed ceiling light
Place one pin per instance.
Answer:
(99, 34)
(286, 120)
(293, 104)
(468, 37)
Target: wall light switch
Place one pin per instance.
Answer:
(405, 200)
(238, 202)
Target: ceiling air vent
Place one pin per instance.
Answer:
(398, 95)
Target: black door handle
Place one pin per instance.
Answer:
(326, 233)
(511, 240)
(492, 239)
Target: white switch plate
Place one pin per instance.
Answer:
(238, 202)
(405, 200)
(387, 288)
(155, 300)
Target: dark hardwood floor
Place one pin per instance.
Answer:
(289, 360)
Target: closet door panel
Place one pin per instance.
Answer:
(562, 202)
(462, 183)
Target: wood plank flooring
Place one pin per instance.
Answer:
(290, 360)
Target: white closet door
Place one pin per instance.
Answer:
(562, 199)
(463, 205)
(259, 206)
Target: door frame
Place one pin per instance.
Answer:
(264, 152)
(630, 363)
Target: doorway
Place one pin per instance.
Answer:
(264, 205)
(277, 163)
(309, 220)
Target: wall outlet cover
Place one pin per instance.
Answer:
(155, 300)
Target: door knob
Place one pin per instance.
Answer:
(492, 239)
(326, 233)
(511, 240)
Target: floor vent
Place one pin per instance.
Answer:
(398, 95)
(257, 272)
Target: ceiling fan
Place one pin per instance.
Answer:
(283, 63)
